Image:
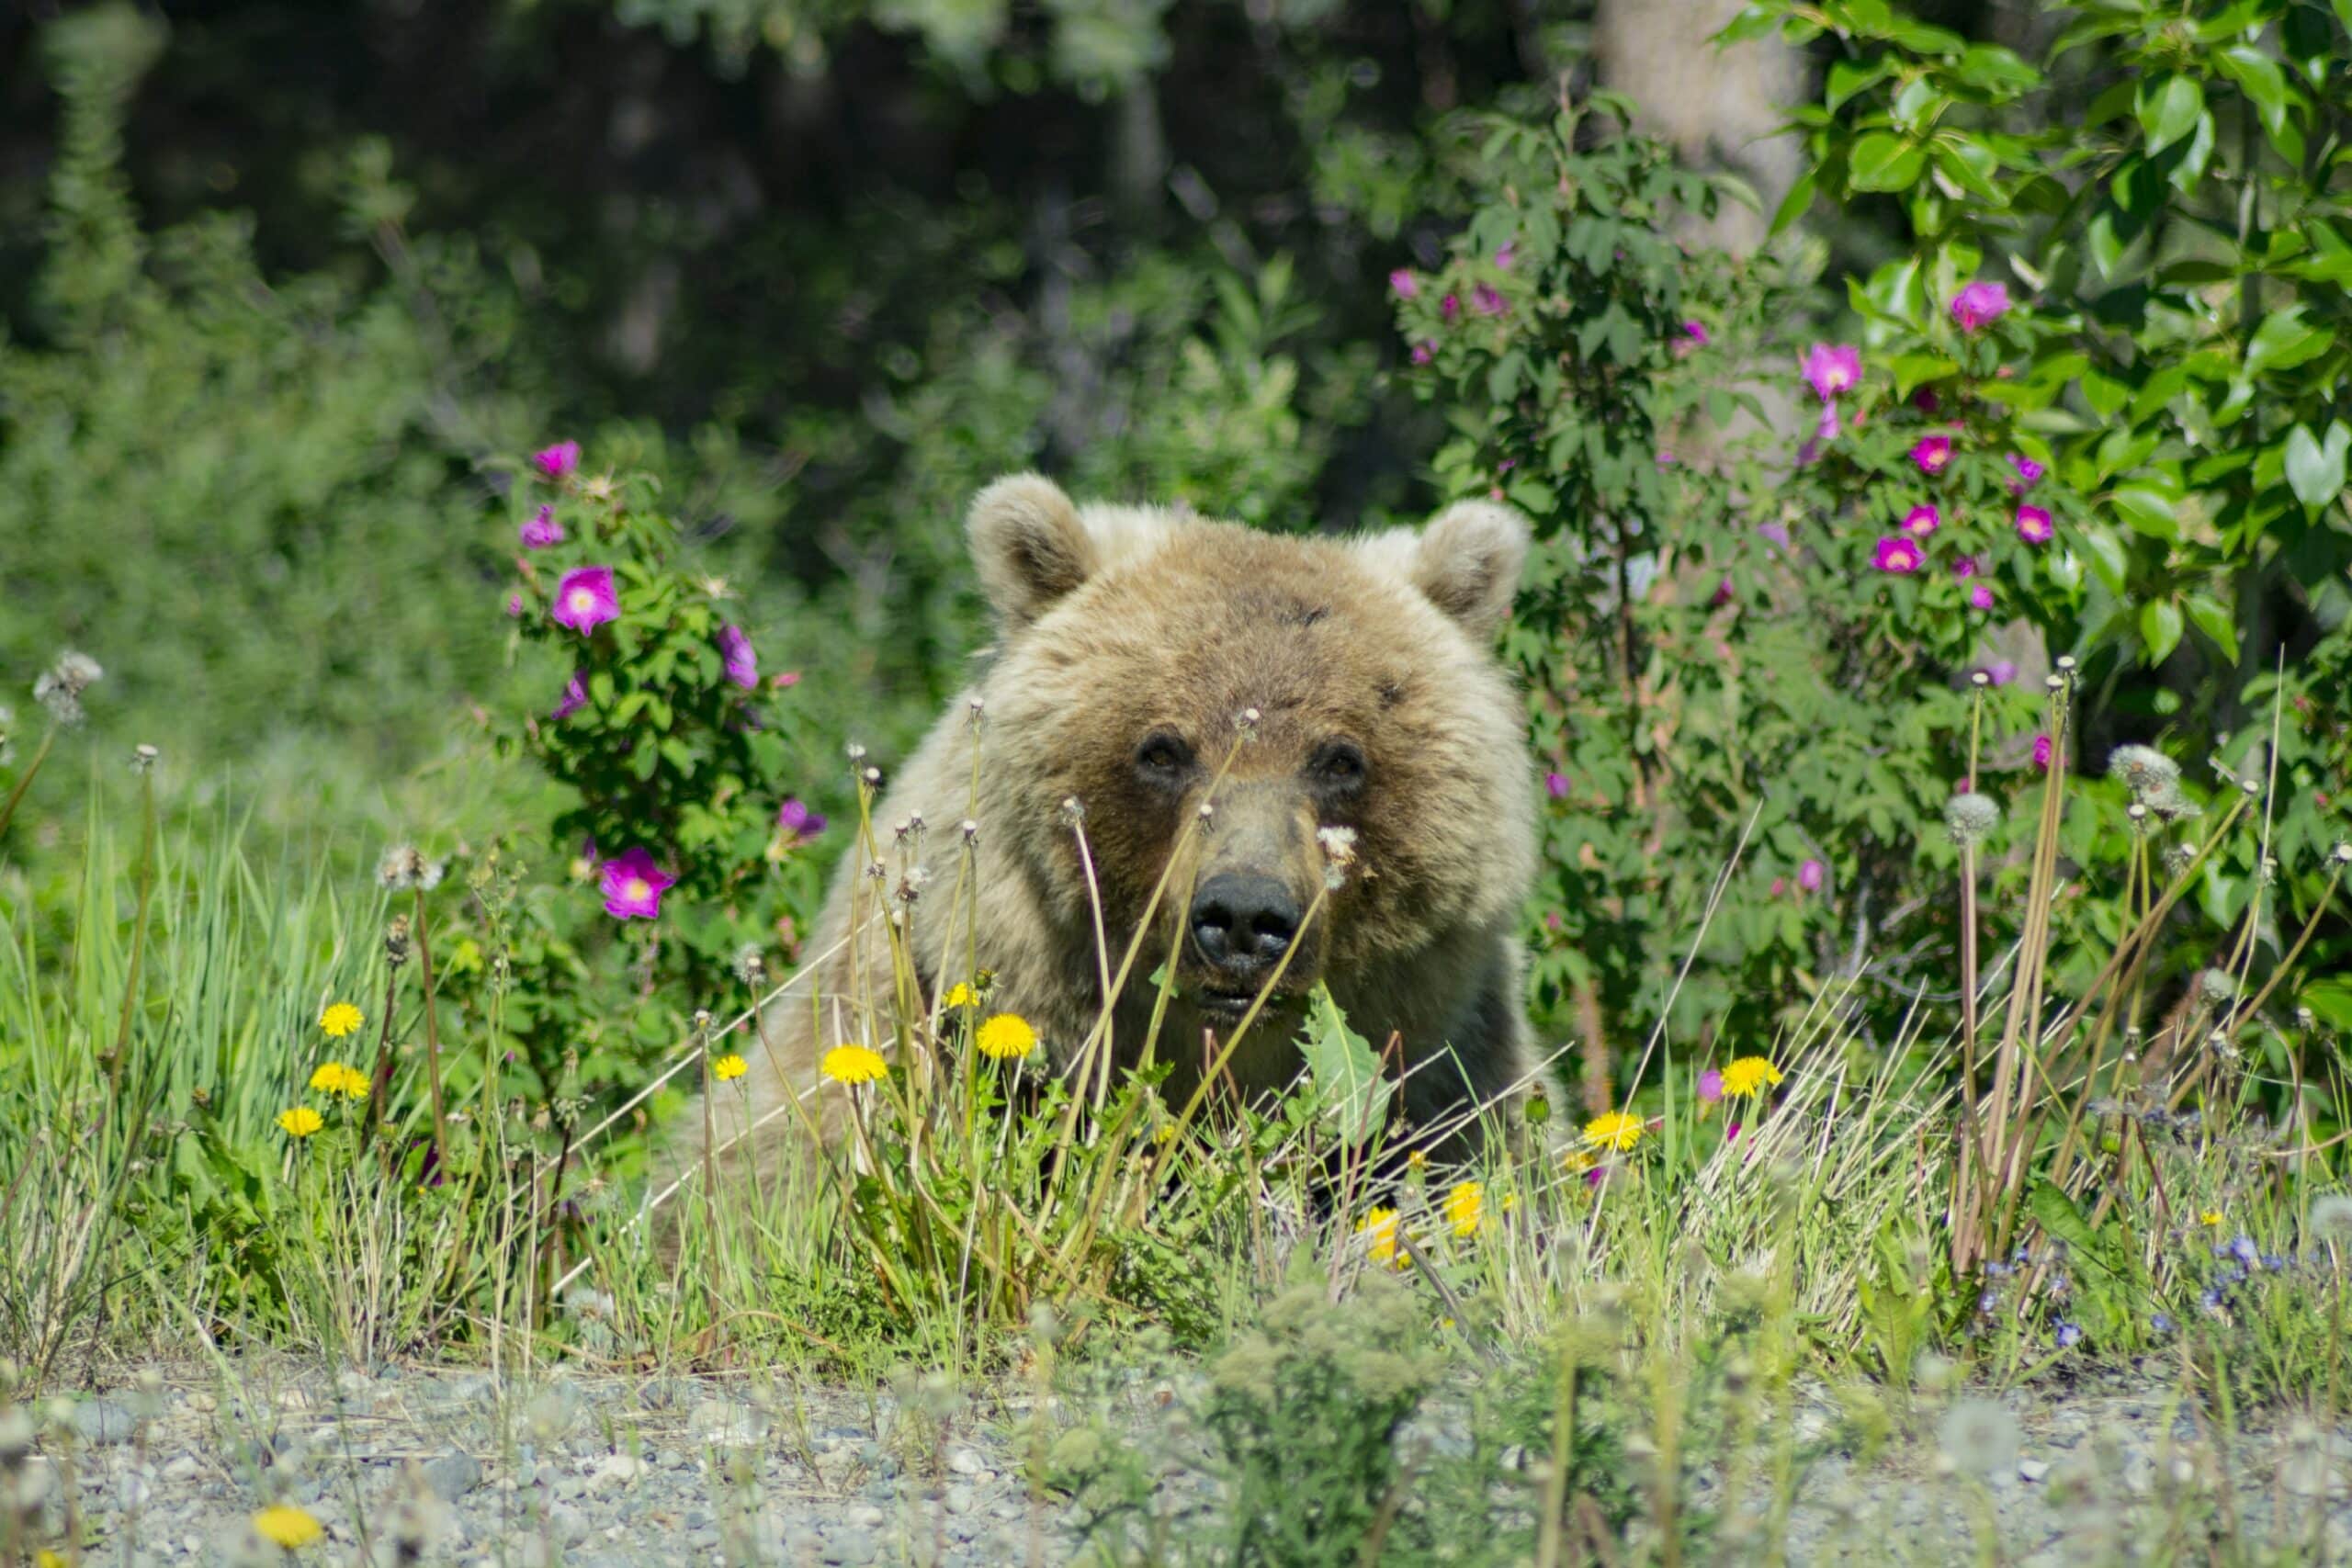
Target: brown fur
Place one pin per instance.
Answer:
(1118, 623)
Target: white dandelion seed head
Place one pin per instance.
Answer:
(856, 753)
(1208, 810)
(2332, 1217)
(871, 778)
(1339, 844)
(971, 830)
(2217, 985)
(2143, 768)
(2137, 811)
(2054, 683)
(2066, 663)
(2342, 853)
(751, 964)
(1969, 817)
(2176, 858)
(143, 758)
(399, 868)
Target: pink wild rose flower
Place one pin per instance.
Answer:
(742, 664)
(1490, 302)
(556, 461)
(1922, 520)
(1404, 285)
(1504, 257)
(2033, 526)
(797, 821)
(1555, 784)
(1711, 1086)
(1697, 332)
(1933, 454)
(1897, 555)
(515, 603)
(2029, 473)
(1981, 596)
(633, 885)
(1811, 874)
(575, 697)
(1830, 370)
(541, 529)
(1965, 566)
(1450, 306)
(586, 599)
(1979, 305)
(2042, 752)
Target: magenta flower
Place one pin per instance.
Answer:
(1811, 874)
(1780, 885)
(1423, 352)
(1504, 257)
(1826, 429)
(1489, 302)
(1933, 454)
(515, 603)
(586, 599)
(1697, 332)
(2029, 473)
(1555, 784)
(1924, 399)
(558, 460)
(1898, 555)
(1832, 369)
(542, 530)
(1450, 306)
(742, 664)
(1981, 596)
(575, 697)
(2042, 752)
(1711, 1085)
(785, 681)
(1723, 594)
(1922, 520)
(2001, 671)
(1965, 566)
(797, 821)
(1404, 285)
(2033, 526)
(1979, 305)
(1777, 532)
(633, 885)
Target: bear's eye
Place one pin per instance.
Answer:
(1163, 758)
(1338, 765)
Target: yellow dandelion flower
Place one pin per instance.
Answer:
(1465, 1207)
(1617, 1129)
(334, 1077)
(301, 1122)
(1749, 1077)
(287, 1526)
(1510, 1201)
(852, 1065)
(728, 1068)
(1378, 1227)
(1417, 1159)
(1007, 1037)
(1166, 1135)
(2210, 1217)
(960, 995)
(339, 1019)
(1576, 1162)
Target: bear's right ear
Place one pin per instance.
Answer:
(1029, 546)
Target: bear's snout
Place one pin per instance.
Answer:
(1242, 923)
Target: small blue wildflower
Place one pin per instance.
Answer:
(2244, 1251)
(2022, 1255)
(2213, 1298)
(2159, 1323)
(1989, 1301)
(2273, 1262)
(2234, 1274)
(2069, 1335)
(1997, 1271)
(2059, 1284)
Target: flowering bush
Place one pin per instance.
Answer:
(678, 847)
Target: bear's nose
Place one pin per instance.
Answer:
(1243, 922)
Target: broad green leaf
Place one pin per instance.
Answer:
(1885, 162)
(2285, 340)
(1848, 78)
(1797, 203)
(2160, 626)
(2167, 109)
(1348, 1087)
(2315, 469)
(2149, 508)
(2212, 618)
(2062, 1221)
(2109, 557)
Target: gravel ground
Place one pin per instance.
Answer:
(457, 1467)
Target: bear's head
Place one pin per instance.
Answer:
(1168, 673)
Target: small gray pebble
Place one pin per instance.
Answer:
(453, 1475)
(104, 1421)
(2033, 1469)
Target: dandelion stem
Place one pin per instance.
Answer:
(432, 1040)
(25, 778)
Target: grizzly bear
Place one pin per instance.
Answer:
(1335, 683)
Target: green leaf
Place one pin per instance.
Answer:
(2316, 469)
(2212, 618)
(2285, 340)
(1884, 162)
(2062, 1221)
(1346, 1074)
(2109, 557)
(1848, 78)
(2160, 626)
(2167, 109)
(1797, 203)
(2149, 508)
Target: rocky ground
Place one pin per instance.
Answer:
(448, 1466)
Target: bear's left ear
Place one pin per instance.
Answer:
(1467, 560)
(1029, 546)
